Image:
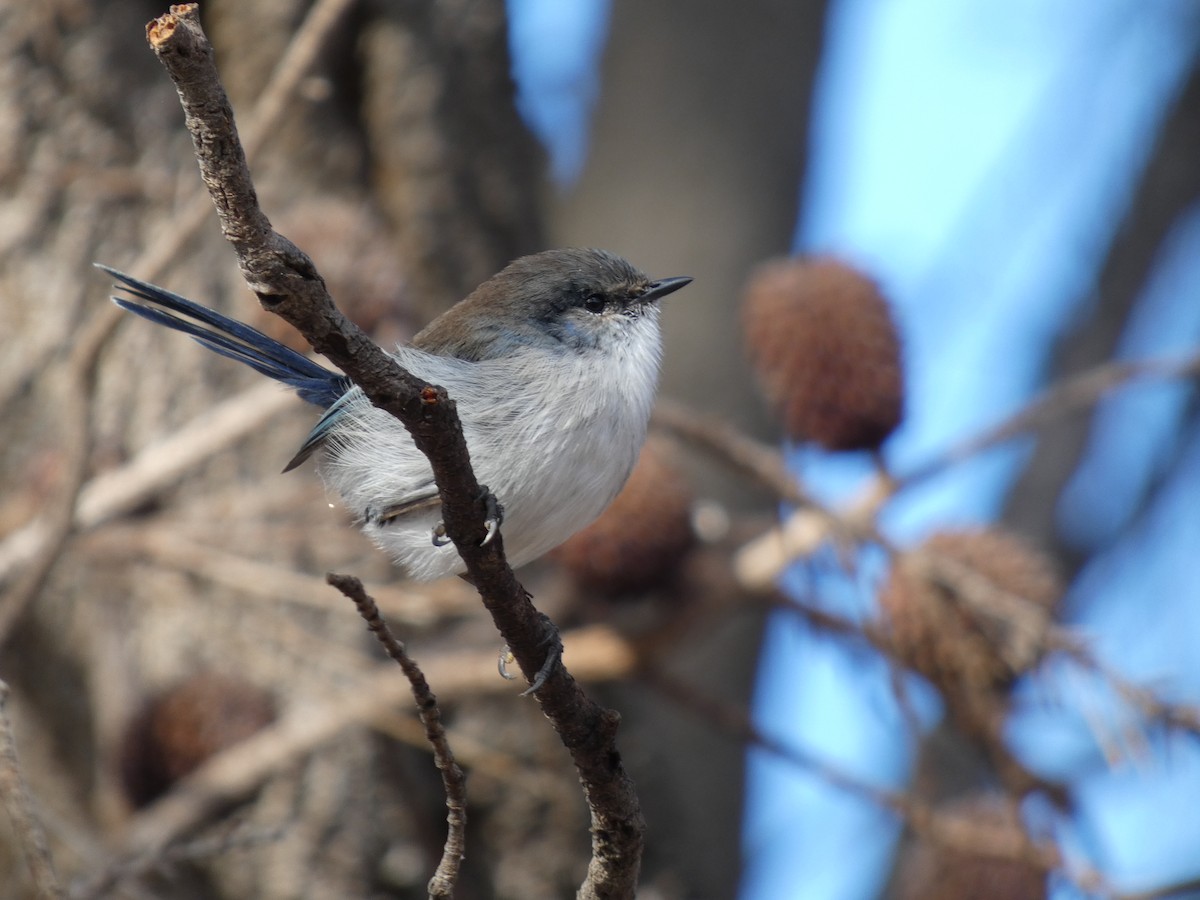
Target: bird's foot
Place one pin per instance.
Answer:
(491, 525)
(551, 640)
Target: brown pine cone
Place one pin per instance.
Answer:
(822, 339)
(970, 608)
(180, 728)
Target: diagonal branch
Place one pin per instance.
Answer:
(287, 283)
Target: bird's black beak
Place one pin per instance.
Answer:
(662, 287)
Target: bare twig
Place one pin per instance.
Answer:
(15, 796)
(1147, 703)
(767, 465)
(734, 720)
(453, 780)
(761, 561)
(263, 120)
(762, 462)
(302, 51)
(162, 464)
(286, 282)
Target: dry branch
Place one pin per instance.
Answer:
(453, 780)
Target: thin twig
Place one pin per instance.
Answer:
(14, 794)
(759, 563)
(263, 121)
(732, 719)
(762, 462)
(1144, 700)
(287, 283)
(162, 464)
(453, 781)
(301, 53)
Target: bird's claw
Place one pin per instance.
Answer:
(491, 525)
(553, 658)
(493, 529)
(495, 515)
(502, 664)
(440, 538)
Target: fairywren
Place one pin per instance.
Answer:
(553, 363)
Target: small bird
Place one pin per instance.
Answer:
(553, 363)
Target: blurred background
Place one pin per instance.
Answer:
(1016, 181)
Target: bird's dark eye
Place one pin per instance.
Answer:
(593, 303)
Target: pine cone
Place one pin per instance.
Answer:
(640, 540)
(969, 609)
(181, 727)
(822, 339)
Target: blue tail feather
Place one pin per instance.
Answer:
(231, 339)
